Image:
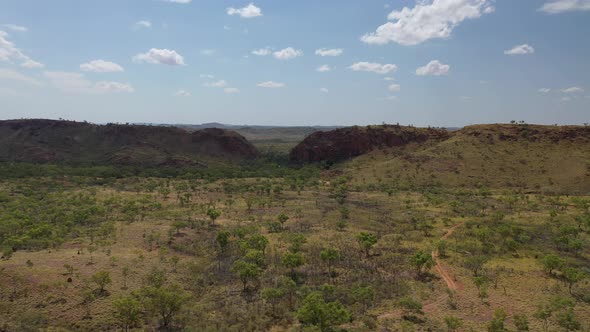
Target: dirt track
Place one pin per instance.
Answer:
(440, 269)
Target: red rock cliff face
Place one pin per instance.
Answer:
(345, 143)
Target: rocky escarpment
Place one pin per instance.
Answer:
(51, 141)
(345, 143)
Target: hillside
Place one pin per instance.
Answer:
(345, 143)
(50, 141)
(528, 157)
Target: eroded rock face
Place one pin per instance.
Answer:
(345, 143)
(50, 141)
(529, 132)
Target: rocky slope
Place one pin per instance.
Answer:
(51, 141)
(345, 143)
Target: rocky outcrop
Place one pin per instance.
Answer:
(345, 143)
(50, 141)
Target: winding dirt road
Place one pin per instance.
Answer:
(440, 269)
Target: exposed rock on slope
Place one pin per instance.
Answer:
(344, 143)
(50, 141)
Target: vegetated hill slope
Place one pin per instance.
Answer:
(344, 143)
(51, 141)
(528, 157)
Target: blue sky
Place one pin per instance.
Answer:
(428, 62)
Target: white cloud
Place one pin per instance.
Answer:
(76, 83)
(271, 84)
(324, 68)
(262, 51)
(13, 75)
(101, 66)
(143, 24)
(324, 90)
(573, 89)
(566, 98)
(249, 11)
(562, 6)
(374, 67)
(287, 53)
(160, 56)
(394, 88)
(226, 28)
(544, 90)
(9, 52)
(104, 86)
(389, 78)
(32, 64)
(520, 50)
(15, 27)
(429, 19)
(217, 84)
(329, 52)
(231, 90)
(206, 76)
(182, 93)
(435, 68)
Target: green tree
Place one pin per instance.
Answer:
(366, 241)
(330, 255)
(282, 218)
(567, 320)
(258, 242)
(497, 322)
(552, 262)
(572, 276)
(101, 279)
(127, 312)
(521, 322)
(246, 272)
(453, 323)
(223, 240)
(324, 315)
(292, 261)
(213, 214)
(422, 261)
(165, 302)
(475, 263)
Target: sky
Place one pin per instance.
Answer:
(306, 62)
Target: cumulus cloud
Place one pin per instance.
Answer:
(520, 50)
(435, 68)
(287, 53)
(427, 20)
(249, 11)
(15, 27)
(217, 84)
(104, 86)
(544, 90)
(329, 52)
(32, 64)
(573, 89)
(271, 84)
(231, 90)
(562, 6)
(389, 78)
(9, 52)
(76, 83)
(324, 68)
(143, 24)
(101, 66)
(262, 51)
(324, 90)
(394, 87)
(160, 56)
(374, 67)
(13, 75)
(182, 93)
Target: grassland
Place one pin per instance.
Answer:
(153, 233)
